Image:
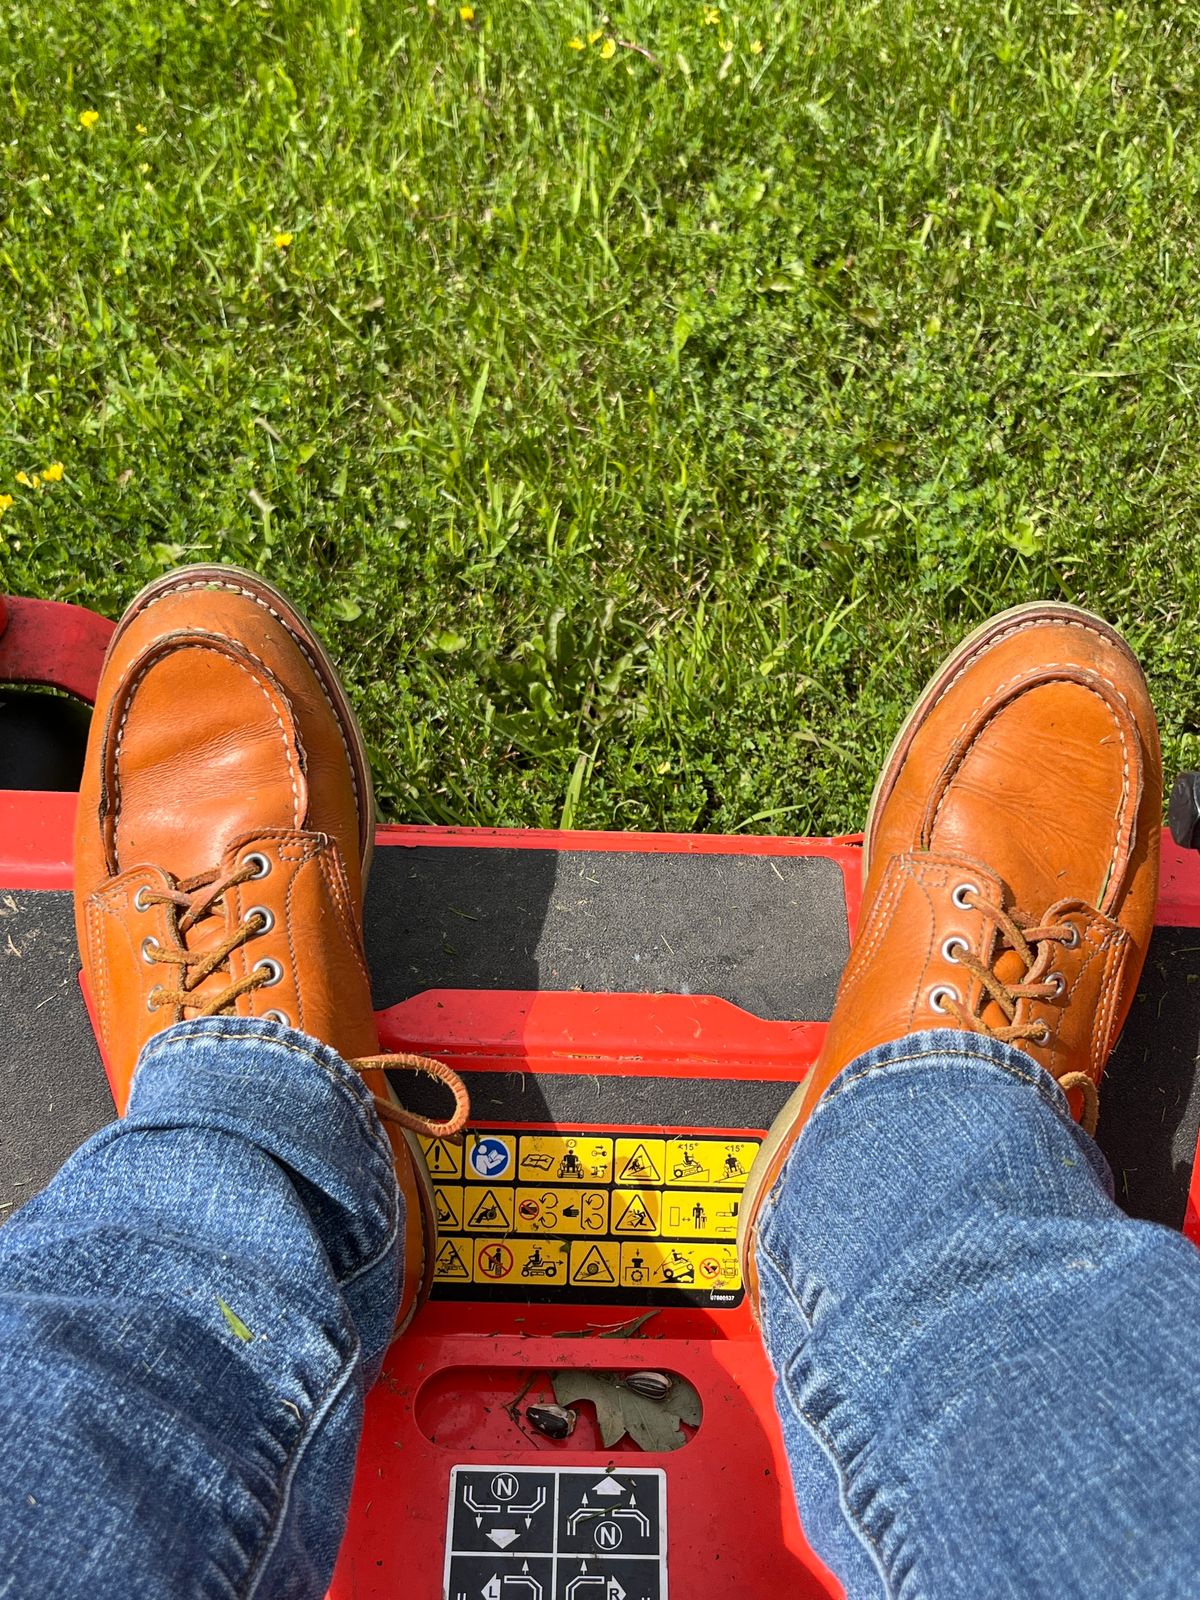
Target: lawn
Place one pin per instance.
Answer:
(640, 403)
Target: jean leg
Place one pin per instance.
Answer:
(190, 1316)
(988, 1375)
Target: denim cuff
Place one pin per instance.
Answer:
(296, 1100)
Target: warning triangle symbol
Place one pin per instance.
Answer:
(594, 1268)
(450, 1264)
(634, 1217)
(442, 1207)
(639, 1168)
(440, 1161)
(489, 1213)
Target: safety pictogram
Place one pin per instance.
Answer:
(562, 1211)
(444, 1160)
(492, 1211)
(636, 1213)
(571, 1533)
(639, 1164)
(448, 1208)
(451, 1266)
(595, 1263)
(566, 1158)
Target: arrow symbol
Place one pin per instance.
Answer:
(607, 1486)
(503, 1537)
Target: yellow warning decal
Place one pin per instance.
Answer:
(593, 1265)
(697, 1163)
(448, 1207)
(569, 1211)
(515, 1261)
(660, 1264)
(637, 1212)
(700, 1214)
(453, 1261)
(570, 1158)
(489, 1210)
(444, 1160)
(590, 1214)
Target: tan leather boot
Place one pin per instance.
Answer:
(1010, 864)
(224, 831)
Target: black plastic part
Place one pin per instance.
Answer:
(43, 737)
(1183, 811)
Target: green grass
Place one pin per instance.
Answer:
(639, 432)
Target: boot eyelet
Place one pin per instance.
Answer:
(938, 997)
(152, 997)
(1070, 942)
(952, 946)
(272, 968)
(1059, 982)
(139, 901)
(1045, 1034)
(149, 943)
(266, 918)
(261, 863)
(959, 897)
(277, 1016)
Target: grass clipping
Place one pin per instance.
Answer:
(653, 1424)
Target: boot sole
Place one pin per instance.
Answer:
(206, 574)
(1037, 610)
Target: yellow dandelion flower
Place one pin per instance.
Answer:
(467, 13)
(756, 48)
(88, 119)
(36, 481)
(595, 34)
(576, 44)
(712, 16)
(23, 477)
(6, 500)
(141, 127)
(608, 49)
(283, 241)
(53, 473)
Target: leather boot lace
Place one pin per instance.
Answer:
(193, 899)
(1020, 933)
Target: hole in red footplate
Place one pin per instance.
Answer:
(483, 1409)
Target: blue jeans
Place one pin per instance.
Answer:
(987, 1377)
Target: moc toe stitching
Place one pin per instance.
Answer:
(318, 674)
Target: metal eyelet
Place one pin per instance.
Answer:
(1045, 1034)
(1059, 982)
(266, 917)
(954, 943)
(149, 943)
(139, 904)
(263, 864)
(938, 996)
(960, 893)
(152, 997)
(277, 1016)
(272, 967)
(1069, 944)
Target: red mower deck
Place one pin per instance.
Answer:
(629, 1012)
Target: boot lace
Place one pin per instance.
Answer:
(195, 898)
(1022, 934)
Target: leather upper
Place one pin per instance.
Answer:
(1011, 864)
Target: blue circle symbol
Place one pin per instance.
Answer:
(489, 1158)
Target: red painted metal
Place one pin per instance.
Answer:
(55, 644)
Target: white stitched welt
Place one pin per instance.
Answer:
(187, 644)
(1036, 683)
(237, 588)
(1023, 626)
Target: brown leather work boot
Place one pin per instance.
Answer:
(1010, 865)
(224, 831)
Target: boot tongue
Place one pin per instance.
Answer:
(1009, 968)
